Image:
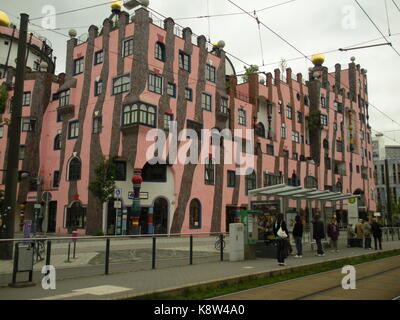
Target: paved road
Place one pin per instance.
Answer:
(377, 280)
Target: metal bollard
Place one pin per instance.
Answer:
(48, 253)
(107, 262)
(153, 258)
(74, 249)
(191, 250)
(221, 239)
(392, 232)
(69, 251)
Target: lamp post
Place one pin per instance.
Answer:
(137, 183)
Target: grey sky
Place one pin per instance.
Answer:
(308, 24)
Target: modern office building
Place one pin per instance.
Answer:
(134, 74)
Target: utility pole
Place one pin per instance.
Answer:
(388, 193)
(14, 133)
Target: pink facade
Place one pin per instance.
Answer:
(180, 196)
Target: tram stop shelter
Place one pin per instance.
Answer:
(284, 192)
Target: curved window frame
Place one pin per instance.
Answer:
(195, 209)
(57, 142)
(160, 51)
(74, 173)
(139, 113)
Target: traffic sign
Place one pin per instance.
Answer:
(117, 193)
(117, 204)
(46, 196)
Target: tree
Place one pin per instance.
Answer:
(249, 70)
(104, 184)
(3, 103)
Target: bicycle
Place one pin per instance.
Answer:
(39, 250)
(217, 244)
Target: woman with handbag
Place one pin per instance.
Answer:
(281, 235)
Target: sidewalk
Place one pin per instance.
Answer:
(128, 284)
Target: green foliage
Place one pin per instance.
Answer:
(249, 70)
(314, 121)
(104, 184)
(98, 234)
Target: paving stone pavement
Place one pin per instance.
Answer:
(127, 284)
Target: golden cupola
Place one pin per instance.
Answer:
(318, 59)
(4, 20)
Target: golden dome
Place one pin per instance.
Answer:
(116, 5)
(4, 20)
(318, 59)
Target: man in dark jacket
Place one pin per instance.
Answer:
(318, 234)
(298, 235)
(377, 233)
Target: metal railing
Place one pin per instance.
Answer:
(106, 254)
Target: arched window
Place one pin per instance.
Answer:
(57, 142)
(209, 173)
(159, 51)
(326, 144)
(76, 216)
(74, 169)
(195, 214)
(260, 131)
(133, 114)
(251, 182)
(130, 114)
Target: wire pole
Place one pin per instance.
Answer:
(13, 137)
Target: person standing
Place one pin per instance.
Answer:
(367, 234)
(318, 234)
(350, 236)
(281, 235)
(360, 233)
(333, 233)
(298, 235)
(377, 233)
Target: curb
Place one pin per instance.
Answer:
(177, 291)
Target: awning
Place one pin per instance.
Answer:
(300, 193)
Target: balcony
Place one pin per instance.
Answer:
(66, 110)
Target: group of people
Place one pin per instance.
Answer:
(363, 229)
(363, 232)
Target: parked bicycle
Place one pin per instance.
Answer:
(39, 250)
(219, 242)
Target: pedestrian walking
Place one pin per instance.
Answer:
(333, 233)
(281, 235)
(377, 233)
(318, 234)
(298, 235)
(359, 233)
(367, 234)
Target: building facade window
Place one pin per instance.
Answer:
(283, 131)
(99, 57)
(324, 119)
(323, 102)
(73, 129)
(289, 112)
(167, 119)
(76, 216)
(210, 73)
(188, 94)
(139, 113)
(98, 88)
(231, 178)
(159, 51)
(295, 156)
(272, 179)
(260, 130)
(74, 169)
(209, 172)
(155, 83)
(57, 142)
(56, 179)
(184, 61)
(21, 154)
(64, 98)
(206, 101)
(120, 170)
(26, 100)
(295, 137)
(28, 125)
(128, 47)
(339, 146)
(195, 214)
(270, 149)
(299, 117)
(171, 89)
(280, 107)
(121, 84)
(1, 131)
(97, 124)
(78, 66)
(251, 182)
(242, 117)
(224, 106)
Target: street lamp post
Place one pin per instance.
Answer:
(137, 183)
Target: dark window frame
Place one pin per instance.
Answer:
(74, 169)
(99, 57)
(73, 126)
(185, 61)
(160, 51)
(128, 47)
(57, 142)
(210, 73)
(193, 211)
(155, 83)
(79, 66)
(124, 86)
(231, 178)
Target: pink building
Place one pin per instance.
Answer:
(131, 76)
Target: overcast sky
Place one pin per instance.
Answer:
(309, 25)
